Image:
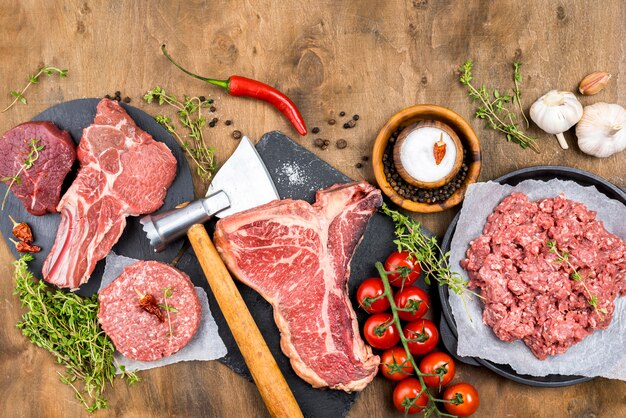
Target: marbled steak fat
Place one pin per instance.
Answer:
(529, 294)
(138, 334)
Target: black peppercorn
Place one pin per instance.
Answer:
(237, 134)
(342, 113)
(332, 121)
(315, 130)
(342, 143)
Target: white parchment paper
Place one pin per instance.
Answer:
(206, 344)
(602, 353)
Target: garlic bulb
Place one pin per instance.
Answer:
(602, 130)
(555, 112)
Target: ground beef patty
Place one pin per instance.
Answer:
(138, 334)
(529, 294)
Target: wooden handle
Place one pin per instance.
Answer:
(274, 390)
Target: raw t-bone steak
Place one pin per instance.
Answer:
(123, 171)
(297, 256)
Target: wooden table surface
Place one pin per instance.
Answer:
(362, 57)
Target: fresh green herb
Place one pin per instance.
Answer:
(431, 406)
(410, 238)
(517, 92)
(190, 116)
(34, 79)
(32, 156)
(167, 293)
(67, 326)
(494, 107)
(563, 257)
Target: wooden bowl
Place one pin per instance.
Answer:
(397, 160)
(414, 114)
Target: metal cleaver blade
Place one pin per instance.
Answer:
(242, 183)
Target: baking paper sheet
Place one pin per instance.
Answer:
(602, 353)
(205, 345)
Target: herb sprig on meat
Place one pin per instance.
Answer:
(563, 257)
(190, 116)
(32, 156)
(67, 326)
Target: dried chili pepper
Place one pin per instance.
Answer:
(242, 86)
(22, 231)
(439, 150)
(148, 304)
(23, 247)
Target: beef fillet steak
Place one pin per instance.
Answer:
(37, 186)
(297, 256)
(123, 172)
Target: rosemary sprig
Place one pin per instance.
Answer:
(494, 108)
(67, 326)
(34, 79)
(167, 293)
(190, 116)
(517, 92)
(563, 257)
(32, 156)
(431, 406)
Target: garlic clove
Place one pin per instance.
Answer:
(594, 83)
(602, 130)
(555, 112)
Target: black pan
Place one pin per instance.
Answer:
(448, 326)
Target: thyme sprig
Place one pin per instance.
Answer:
(32, 156)
(494, 107)
(431, 406)
(434, 263)
(563, 257)
(517, 92)
(167, 293)
(34, 79)
(66, 325)
(190, 116)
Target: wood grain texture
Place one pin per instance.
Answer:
(370, 58)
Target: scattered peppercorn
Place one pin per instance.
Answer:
(212, 109)
(342, 143)
(355, 117)
(319, 142)
(342, 113)
(346, 126)
(365, 158)
(228, 122)
(126, 99)
(118, 93)
(237, 134)
(211, 124)
(107, 96)
(315, 130)
(351, 123)
(202, 98)
(327, 142)
(358, 165)
(332, 121)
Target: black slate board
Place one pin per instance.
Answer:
(298, 174)
(74, 116)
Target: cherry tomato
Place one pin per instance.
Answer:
(437, 363)
(380, 331)
(412, 297)
(463, 397)
(370, 296)
(395, 365)
(423, 335)
(407, 269)
(405, 396)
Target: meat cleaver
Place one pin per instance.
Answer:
(242, 183)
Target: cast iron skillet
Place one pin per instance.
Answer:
(448, 326)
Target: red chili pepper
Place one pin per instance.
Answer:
(242, 86)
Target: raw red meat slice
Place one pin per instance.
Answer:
(140, 335)
(123, 171)
(297, 256)
(39, 187)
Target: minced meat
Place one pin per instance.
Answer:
(528, 293)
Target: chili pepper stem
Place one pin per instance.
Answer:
(13, 220)
(225, 84)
